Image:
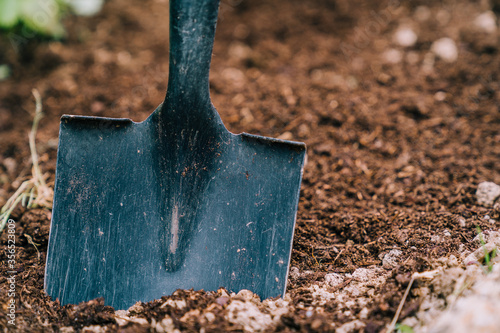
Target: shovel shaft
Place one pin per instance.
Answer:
(192, 31)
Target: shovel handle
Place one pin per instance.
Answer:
(192, 32)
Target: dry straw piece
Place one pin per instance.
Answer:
(34, 192)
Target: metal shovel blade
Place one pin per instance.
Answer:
(176, 201)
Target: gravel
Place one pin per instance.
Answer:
(487, 193)
(446, 49)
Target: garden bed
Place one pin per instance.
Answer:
(399, 137)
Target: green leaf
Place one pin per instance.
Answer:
(9, 13)
(42, 16)
(4, 72)
(403, 329)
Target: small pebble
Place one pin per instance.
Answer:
(210, 317)
(136, 308)
(66, 329)
(222, 292)
(443, 17)
(316, 324)
(11, 165)
(245, 294)
(422, 13)
(390, 260)
(405, 37)
(487, 22)
(294, 272)
(93, 329)
(334, 279)
(489, 219)
(446, 49)
(222, 300)
(392, 56)
(286, 136)
(487, 193)
(440, 96)
(85, 7)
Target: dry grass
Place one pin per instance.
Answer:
(34, 192)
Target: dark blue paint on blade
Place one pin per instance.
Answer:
(110, 215)
(177, 201)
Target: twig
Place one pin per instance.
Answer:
(425, 275)
(30, 240)
(340, 286)
(338, 255)
(34, 156)
(34, 190)
(312, 254)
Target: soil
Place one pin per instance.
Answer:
(398, 141)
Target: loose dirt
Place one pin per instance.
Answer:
(400, 133)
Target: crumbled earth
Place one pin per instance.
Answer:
(398, 103)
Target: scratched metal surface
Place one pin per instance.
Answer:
(177, 201)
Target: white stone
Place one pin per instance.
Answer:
(475, 313)
(365, 280)
(334, 279)
(446, 49)
(366, 274)
(363, 314)
(165, 326)
(422, 13)
(390, 260)
(247, 315)
(276, 308)
(85, 7)
(246, 294)
(294, 272)
(436, 239)
(352, 326)
(405, 37)
(137, 308)
(239, 50)
(321, 294)
(478, 255)
(210, 317)
(66, 329)
(179, 304)
(122, 317)
(94, 329)
(122, 320)
(487, 193)
(452, 261)
(440, 96)
(392, 56)
(487, 22)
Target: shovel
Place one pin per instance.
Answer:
(173, 202)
